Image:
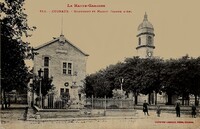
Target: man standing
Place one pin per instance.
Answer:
(145, 108)
(193, 111)
(158, 111)
(178, 109)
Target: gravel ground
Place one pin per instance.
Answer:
(14, 120)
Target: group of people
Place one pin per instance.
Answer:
(177, 108)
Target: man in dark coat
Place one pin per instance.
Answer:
(193, 111)
(145, 108)
(178, 109)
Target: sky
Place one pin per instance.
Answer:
(111, 37)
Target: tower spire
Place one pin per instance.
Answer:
(61, 25)
(145, 17)
(145, 48)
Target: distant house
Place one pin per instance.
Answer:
(66, 63)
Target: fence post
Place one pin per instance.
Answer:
(105, 107)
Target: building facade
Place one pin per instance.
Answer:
(66, 63)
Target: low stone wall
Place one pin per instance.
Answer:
(92, 112)
(56, 113)
(72, 113)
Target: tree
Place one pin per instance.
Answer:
(178, 77)
(46, 85)
(14, 73)
(96, 84)
(169, 72)
(182, 77)
(113, 74)
(194, 77)
(133, 74)
(152, 81)
(88, 88)
(104, 81)
(101, 85)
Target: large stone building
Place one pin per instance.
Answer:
(66, 63)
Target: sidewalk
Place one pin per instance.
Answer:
(10, 120)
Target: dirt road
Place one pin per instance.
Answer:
(13, 120)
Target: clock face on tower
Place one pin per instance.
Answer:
(149, 54)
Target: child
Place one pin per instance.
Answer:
(158, 111)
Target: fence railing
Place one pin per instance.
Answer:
(99, 103)
(16, 98)
(51, 102)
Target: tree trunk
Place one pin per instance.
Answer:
(169, 99)
(42, 106)
(195, 101)
(136, 99)
(4, 99)
(149, 98)
(155, 98)
(183, 99)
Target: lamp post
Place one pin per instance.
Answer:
(121, 84)
(121, 81)
(33, 89)
(40, 90)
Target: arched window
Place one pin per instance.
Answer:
(139, 41)
(149, 40)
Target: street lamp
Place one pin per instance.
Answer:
(121, 81)
(121, 84)
(40, 90)
(33, 88)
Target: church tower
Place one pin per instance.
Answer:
(145, 36)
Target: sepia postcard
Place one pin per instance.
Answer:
(101, 64)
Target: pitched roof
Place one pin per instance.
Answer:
(61, 39)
